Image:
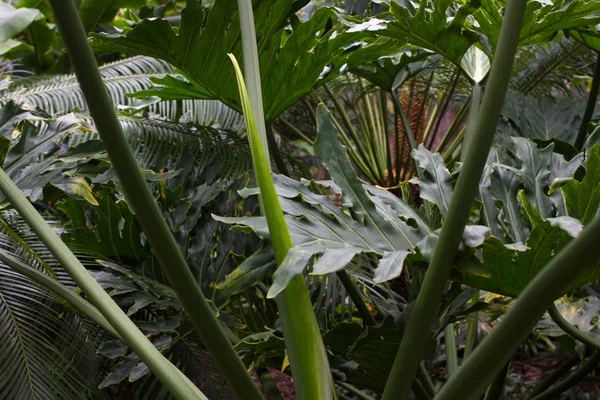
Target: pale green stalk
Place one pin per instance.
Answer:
(166, 372)
(252, 71)
(451, 357)
(139, 196)
(419, 326)
(305, 348)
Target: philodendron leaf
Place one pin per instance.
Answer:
(430, 28)
(435, 186)
(379, 222)
(583, 198)
(292, 60)
(544, 19)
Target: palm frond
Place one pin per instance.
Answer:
(60, 94)
(539, 68)
(46, 353)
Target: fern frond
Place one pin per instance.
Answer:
(60, 94)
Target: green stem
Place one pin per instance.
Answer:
(425, 380)
(571, 330)
(358, 393)
(303, 342)
(166, 372)
(589, 108)
(419, 390)
(554, 376)
(277, 157)
(431, 134)
(572, 380)
(451, 357)
(54, 286)
(363, 147)
(252, 70)
(419, 325)
(473, 112)
(472, 328)
(140, 198)
(506, 337)
(356, 297)
(296, 131)
(268, 384)
(496, 389)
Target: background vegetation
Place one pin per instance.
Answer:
(369, 109)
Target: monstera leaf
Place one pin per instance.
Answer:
(292, 62)
(430, 28)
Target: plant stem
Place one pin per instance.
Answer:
(296, 131)
(252, 70)
(572, 380)
(358, 393)
(166, 372)
(356, 297)
(472, 328)
(407, 132)
(303, 342)
(506, 337)
(451, 357)
(419, 325)
(589, 108)
(277, 157)
(419, 390)
(431, 134)
(425, 380)
(571, 330)
(54, 286)
(496, 389)
(140, 198)
(475, 104)
(554, 376)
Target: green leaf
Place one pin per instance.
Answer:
(435, 186)
(583, 198)
(430, 28)
(542, 19)
(108, 229)
(93, 12)
(392, 71)
(15, 20)
(590, 37)
(47, 351)
(292, 63)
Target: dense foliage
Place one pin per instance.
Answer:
(369, 108)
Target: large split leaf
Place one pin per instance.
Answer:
(93, 12)
(430, 28)
(378, 223)
(543, 19)
(435, 185)
(583, 198)
(292, 62)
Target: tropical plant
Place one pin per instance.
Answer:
(367, 276)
